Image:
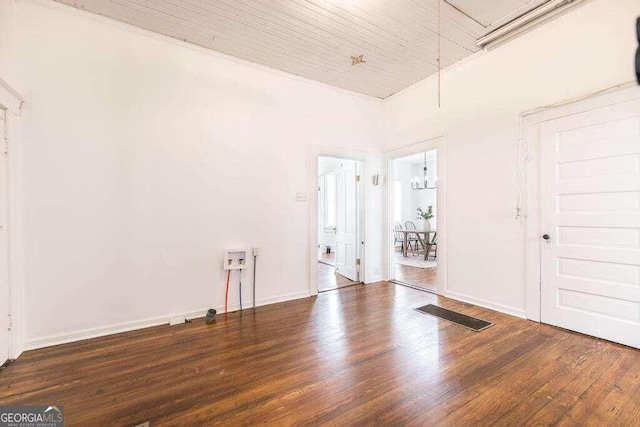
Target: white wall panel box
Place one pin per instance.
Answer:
(235, 259)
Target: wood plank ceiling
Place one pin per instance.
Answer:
(317, 39)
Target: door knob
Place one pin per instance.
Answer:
(546, 236)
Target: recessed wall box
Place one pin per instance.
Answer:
(235, 259)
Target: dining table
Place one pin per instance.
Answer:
(424, 237)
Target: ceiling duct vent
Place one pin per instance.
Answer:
(529, 19)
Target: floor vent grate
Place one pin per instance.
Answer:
(469, 322)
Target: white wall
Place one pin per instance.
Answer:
(584, 51)
(144, 158)
(7, 30)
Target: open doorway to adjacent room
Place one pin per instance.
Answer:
(338, 223)
(413, 218)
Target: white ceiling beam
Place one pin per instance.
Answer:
(527, 22)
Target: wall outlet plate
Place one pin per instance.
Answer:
(301, 197)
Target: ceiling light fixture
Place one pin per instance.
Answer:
(355, 60)
(415, 182)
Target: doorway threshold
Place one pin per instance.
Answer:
(416, 287)
(340, 287)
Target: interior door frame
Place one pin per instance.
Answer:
(337, 230)
(529, 138)
(5, 286)
(361, 167)
(12, 102)
(438, 143)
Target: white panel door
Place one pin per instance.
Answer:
(590, 194)
(321, 212)
(346, 222)
(4, 245)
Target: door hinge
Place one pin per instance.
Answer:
(10, 323)
(357, 261)
(357, 178)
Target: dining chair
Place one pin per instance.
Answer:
(433, 244)
(397, 235)
(409, 225)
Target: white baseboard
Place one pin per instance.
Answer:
(487, 304)
(280, 298)
(101, 331)
(15, 353)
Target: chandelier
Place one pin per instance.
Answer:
(424, 185)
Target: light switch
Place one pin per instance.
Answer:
(301, 197)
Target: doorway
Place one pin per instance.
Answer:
(338, 223)
(414, 220)
(4, 242)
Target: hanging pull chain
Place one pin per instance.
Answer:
(439, 56)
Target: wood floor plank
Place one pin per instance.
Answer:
(611, 396)
(584, 372)
(422, 278)
(357, 355)
(329, 279)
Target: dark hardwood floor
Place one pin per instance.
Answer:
(425, 278)
(358, 355)
(328, 279)
(328, 258)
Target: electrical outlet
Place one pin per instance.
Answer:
(377, 272)
(301, 197)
